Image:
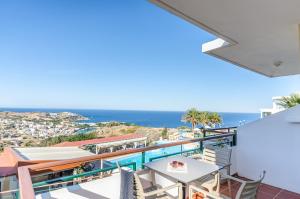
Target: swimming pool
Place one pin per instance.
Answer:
(155, 153)
(86, 130)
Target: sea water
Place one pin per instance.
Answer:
(169, 119)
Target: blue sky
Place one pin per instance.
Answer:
(113, 54)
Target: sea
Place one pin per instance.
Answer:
(168, 119)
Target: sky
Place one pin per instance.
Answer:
(116, 54)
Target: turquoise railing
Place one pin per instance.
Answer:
(173, 154)
(132, 164)
(84, 174)
(11, 194)
(199, 150)
(196, 150)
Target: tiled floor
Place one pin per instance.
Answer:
(265, 191)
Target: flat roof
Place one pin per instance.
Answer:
(51, 153)
(260, 35)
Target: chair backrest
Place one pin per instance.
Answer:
(220, 156)
(128, 186)
(139, 190)
(248, 189)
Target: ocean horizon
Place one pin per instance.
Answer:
(169, 119)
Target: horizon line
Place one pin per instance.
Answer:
(112, 109)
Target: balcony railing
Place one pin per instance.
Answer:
(25, 173)
(53, 184)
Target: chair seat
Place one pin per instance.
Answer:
(219, 196)
(163, 196)
(160, 196)
(206, 183)
(152, 188)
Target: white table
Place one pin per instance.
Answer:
(195, 169)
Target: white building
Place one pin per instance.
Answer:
(271, 144)
(275, 108)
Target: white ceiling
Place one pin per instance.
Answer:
(260, 35)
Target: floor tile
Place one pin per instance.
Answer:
(269, 189)
(284, 194)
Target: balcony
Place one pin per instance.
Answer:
(57, 178)
(90, 190)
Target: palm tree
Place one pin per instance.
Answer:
(203, 119)
(192, 116)
(290, 101)
(214, 119)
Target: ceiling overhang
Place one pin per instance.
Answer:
(259, 35)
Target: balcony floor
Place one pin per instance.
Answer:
(91, 190)
(265, 191)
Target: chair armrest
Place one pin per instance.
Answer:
(162, 190)
(205, 193)
(227, 166)
(232, 178)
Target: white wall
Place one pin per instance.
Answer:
(271, 144)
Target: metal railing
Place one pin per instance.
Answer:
(188, 152)
(26, 186)
(77, 178)
(10, 194)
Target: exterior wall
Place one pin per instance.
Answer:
(271, 144)
(275, 108)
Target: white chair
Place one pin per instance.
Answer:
(132, 185)
(154, 191)
(221, 156)
(247, 190)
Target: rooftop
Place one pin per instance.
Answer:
(110, 140)
(51, 153)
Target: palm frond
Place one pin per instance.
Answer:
(289, 101)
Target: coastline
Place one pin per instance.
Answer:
(169, 119)
(28, 128)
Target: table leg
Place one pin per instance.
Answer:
(185, 191)
(152, 174)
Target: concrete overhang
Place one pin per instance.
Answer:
(259, 35)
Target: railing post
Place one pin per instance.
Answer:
(143, 159)
(201, 142)
(234, 138)
(134, 166)
(18, 194)
(181, 149)
(201, 146)
(101, 167)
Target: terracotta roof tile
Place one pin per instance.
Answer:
(101, 140)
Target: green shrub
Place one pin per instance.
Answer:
(71, 138)
(164, 133)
